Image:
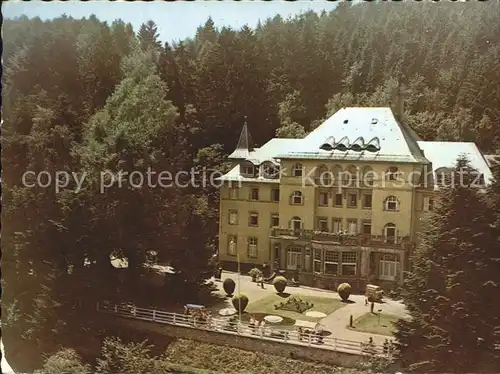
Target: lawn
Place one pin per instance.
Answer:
(369, 322)
(321, 304)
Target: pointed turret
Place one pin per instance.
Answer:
(244, 146)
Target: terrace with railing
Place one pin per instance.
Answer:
(233, 326)
(402, 242)
(326, 182)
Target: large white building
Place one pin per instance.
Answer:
(342, 204)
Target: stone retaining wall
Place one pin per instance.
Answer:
(317, 354)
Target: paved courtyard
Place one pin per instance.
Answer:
(336, 322)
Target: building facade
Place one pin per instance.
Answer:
(343, 204)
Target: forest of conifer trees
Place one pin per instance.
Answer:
(83, 96)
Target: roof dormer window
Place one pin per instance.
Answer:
(247, 170)
(358, 144)
(328, 144)
(343, 144)
(373, 145)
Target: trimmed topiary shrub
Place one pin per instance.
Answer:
(229, 286)
(279, 284)
(294, 304)
(344, 290)
(240, 302)
(255, 274)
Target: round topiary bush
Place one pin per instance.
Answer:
(344, 291)
(229, 286)
(240, 302)
(255, 274)
(279, 284)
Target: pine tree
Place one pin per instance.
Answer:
(450, 291)
(148, 36)
(491, 277)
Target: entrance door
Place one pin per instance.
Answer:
(294, 257)
(390, 233)
(277, 252)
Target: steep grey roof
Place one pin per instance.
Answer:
(391, 141)
(244, 146)
(445, 155)
(267, 152)
(270, 150)
(493, 160)
(365, 134)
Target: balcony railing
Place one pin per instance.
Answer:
(234, 327)
(345, 183)
(402, 242)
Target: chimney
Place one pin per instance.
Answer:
(398, 104)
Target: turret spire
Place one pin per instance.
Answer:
(245, 144)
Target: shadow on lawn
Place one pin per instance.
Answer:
(287, 321)
(283, 294)
(348, 301)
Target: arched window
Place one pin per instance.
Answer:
(351, 174)
(297, 170)
(390, 233)
(270, 171)
(324, 176)
(296, 223)
(391, 204)
(392, 173)
(337, 173)
(368, 176)
(297, 198)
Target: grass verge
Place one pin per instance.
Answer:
(370, 323)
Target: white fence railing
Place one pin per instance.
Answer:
(232, 326)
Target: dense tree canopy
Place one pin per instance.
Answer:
(83, 96)
(452, 290)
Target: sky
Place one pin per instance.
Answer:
(176, 20)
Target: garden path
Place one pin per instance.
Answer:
(337, 321)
